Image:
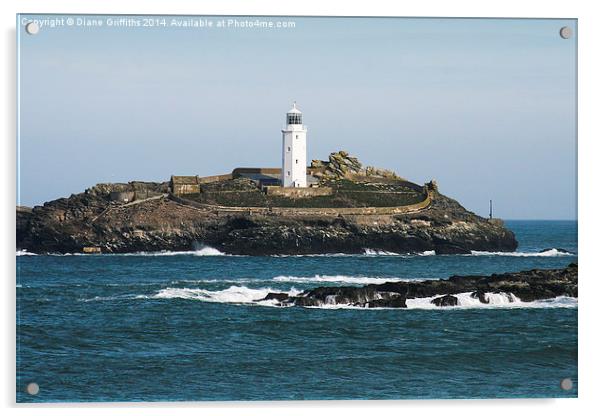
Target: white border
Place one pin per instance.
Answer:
(590, 135)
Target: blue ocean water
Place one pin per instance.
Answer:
(167, 327)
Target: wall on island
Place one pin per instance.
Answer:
(182, 185)
(296, 193)
(122, 196)
(404, 209)
(215, 178)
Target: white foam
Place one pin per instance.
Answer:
(203, 251)
(318, 255)
(372, 252)
(496, 300)
(233, 294)
(210, 251)
(246, 295)
(368, 252)
(108, 298)
(201, 281)
(547, 253)
(359, 280)
(339, 279)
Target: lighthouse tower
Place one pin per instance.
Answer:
(294, 150)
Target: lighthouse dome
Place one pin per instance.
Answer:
(294, 115)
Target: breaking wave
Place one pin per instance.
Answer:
(371, 252)
(233, 294)
(368, 252)
(203, 251)
(217, 281)
(25, 253)
(496, 300)
(109, 298)
(340, 279)
(465, 301)
(359, 280)
(244, 295)
(552, 252)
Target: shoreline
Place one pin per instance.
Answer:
(212, 252)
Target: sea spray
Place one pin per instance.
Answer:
(553, 252)
(244, 295)
(25, 253)
(211, 252)
(357, 280)
(233, 294)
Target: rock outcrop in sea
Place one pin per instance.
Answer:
(528, 286)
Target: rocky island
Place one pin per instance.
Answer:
(347, 208)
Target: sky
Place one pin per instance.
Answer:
(486, 107)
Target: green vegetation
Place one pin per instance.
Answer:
(370, 192)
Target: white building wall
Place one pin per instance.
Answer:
(294, 156)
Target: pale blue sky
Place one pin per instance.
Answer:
(485, 107)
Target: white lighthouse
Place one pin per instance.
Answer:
(294, 150)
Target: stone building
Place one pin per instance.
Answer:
(182, 185)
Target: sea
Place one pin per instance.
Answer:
(189, 326)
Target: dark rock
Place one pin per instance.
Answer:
(447, 300)
(303, 301)
(451, 249)
(528, 286)
(92, 219)
(278, 296)
(395, 302)
(346, 295)
(481, 295)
